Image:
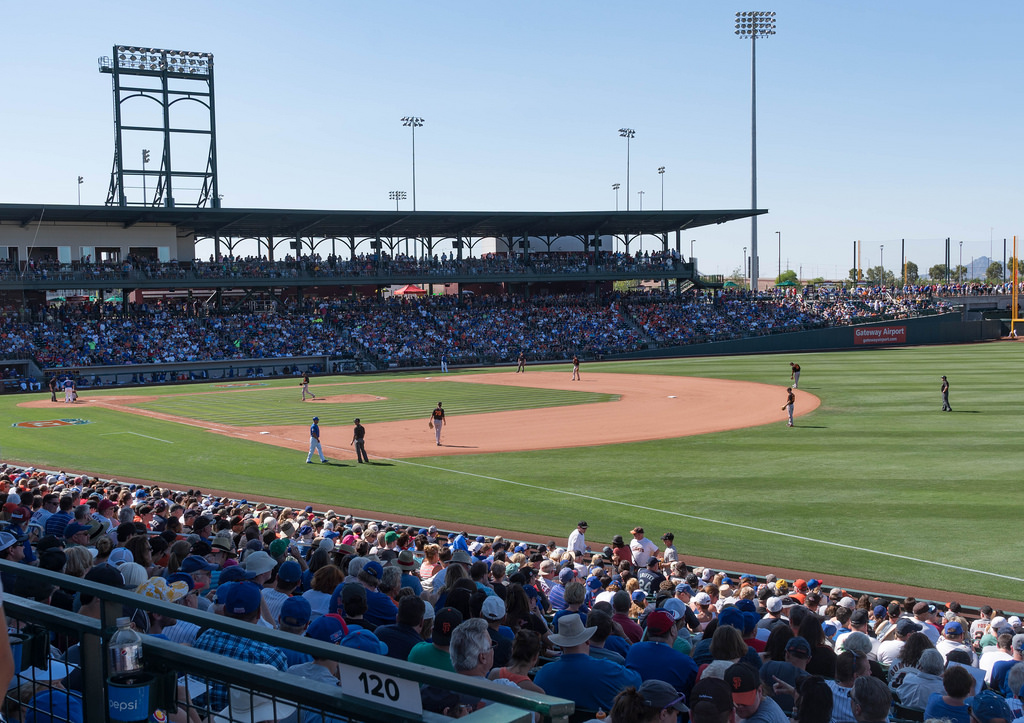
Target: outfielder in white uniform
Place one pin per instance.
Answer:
(314, 442)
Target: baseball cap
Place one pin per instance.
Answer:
(860, 617)
(848, 603)
(242, 599)
(711, 693)
(674, 607)
(953, 628)
(1017, 642)
(702, 598)
(636, 531)
(295, 611)
(329, 628)
(743, 682)
(445, 621)
(660, 695)
(906, 626)
(7, 540)
(566, 576)
(923, 607)
(638, 596)
(731, 616)
(799, 647)
(193, 563)
(493, 608)
(73, 528)
(234, 573)
(773, 604)
(683, 587)
(20, 514)
(289, 572)
(316, 419)
(366, 641)
(660, 622)
(582, 523)
(989, 705)
(374, 568)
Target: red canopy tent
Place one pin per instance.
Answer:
(410, 289)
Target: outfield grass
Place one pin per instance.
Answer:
(877, 467)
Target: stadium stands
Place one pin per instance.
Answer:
(223, 556)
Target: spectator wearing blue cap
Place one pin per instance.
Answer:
(241, 602)
(953, 639)
(380, 609)
(288, 575)
(329, 629)
(556, 596)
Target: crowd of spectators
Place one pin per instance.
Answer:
(611, 627)
(416, 331)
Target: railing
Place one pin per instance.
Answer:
(372, 688)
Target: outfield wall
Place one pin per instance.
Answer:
(925, 330)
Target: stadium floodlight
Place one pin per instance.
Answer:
(413, 122)
(130, 58)
(754, 25)
(661, 172)
(615, 187)
(397, 196)
(628, 134)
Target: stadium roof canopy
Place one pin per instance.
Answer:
(253, 222)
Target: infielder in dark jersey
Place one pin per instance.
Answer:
(436, 422)
(522, 363)
(788, 406)
(575, 368)
(795, 374)
(305, 387)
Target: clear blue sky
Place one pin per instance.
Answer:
(877, 120)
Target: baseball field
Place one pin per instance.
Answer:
(873, 481)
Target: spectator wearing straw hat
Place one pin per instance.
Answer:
(562, 678)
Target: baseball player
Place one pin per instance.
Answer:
(788, 406)
(305, 387)
(522, 363)
(575, 368)
(314, 442)
(794, 374)
(444, 362)
(53, 388)
(69, 390)
(358, 433)
(436, 422)
(945, 396)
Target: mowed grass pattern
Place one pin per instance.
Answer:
(281, 405)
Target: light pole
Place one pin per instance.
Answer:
(959, 273)
(628, 134)
(615, 187)
(661, 172)
(754, 25)
(881, 262)
(641, 195)
(692, 242)
(397, 196)
(145, 160)
(744, 267)
(779, 234)
(80, 180)
(414, 123)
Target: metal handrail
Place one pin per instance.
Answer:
(557, 709)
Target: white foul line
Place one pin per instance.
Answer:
(706, 519)
(157, 439)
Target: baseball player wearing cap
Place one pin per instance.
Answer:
(794, 374)
(642, 548)
(522, 363)
(358, 435)
(945, 396)
(788, 406)
(305, 387)
(314, 442)
(575, 368)
(69, 390)
(437, 421)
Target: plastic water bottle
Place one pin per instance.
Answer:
(125, 649)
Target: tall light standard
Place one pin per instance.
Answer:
(744, 263)
(959, 266)
(615, 187)
(145, 160)
(754, 25)
(628, 134)
(81, 179)
(881, 262)
(661, 172)
(779, 234)
(397, 196)
(414, 123)
(641, 195)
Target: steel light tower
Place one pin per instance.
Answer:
(881, 262)
(81, 179)
(397, 196)
(414, 123)
(779, 234)
(661, 172)
(628, 134)
(641, 195)
(754, 25)
(960, 265)
(615, 187)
